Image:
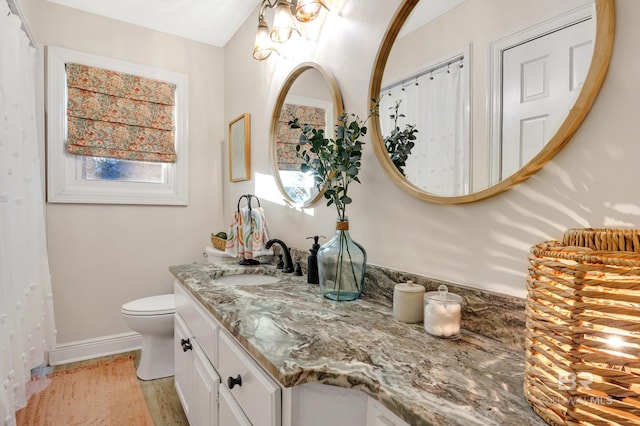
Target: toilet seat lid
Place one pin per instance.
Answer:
(154, 305)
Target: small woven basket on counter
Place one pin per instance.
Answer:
(219, 243)
(583, 328)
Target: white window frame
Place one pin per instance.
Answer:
(64, 171)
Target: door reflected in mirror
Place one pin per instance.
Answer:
(490, 88)
(310, 94)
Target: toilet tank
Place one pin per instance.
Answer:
(213, 255)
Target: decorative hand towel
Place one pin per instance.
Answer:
(248, 234)
(260, 234)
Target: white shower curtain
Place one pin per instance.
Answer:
(26, 312)
(434, 103)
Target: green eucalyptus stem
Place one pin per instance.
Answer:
(335, 162)
(338, 277)
(342, 246)
(400, 142)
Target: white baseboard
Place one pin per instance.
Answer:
(95, 348)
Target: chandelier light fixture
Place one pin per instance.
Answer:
(284, 23)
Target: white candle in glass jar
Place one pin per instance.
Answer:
(442, 313)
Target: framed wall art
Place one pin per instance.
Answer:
(240, 148)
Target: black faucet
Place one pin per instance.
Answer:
(288, 263)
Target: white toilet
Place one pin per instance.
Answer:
(152, 317)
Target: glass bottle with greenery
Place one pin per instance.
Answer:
(336, 163)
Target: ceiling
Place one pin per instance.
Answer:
(426, 11)
(208, 21)
(213, 21)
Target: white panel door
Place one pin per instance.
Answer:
(541, 81)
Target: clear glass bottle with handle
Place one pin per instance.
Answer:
(341, 265)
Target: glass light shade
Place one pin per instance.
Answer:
(308, 10)
(263, 46)
(283, 24)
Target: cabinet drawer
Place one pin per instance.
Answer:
(259, 395)
(202, 326)
(229, 412)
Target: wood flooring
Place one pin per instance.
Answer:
(160, 394)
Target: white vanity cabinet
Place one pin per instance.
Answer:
(217, 382)
(196, 380)
(220, 384)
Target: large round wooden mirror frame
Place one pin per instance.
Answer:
(599, 64)
(338, 109)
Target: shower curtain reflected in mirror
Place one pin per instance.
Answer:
(439, 161)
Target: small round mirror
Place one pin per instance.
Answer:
(311, 94)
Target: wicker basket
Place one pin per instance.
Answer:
(219, 243)
(583, 329)
(604, 239)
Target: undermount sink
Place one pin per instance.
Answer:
(247, 279)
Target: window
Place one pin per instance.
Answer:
(94, 179)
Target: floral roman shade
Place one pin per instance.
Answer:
(288, 138)
(122, 116)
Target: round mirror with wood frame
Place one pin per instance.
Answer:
(594, 74)
(312, 94)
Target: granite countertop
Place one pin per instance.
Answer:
(299, 337)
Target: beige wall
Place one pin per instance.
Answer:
(592, 182)
(104, 255)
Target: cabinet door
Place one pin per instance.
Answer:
(229, 412)
(183, 364)
(204, 391)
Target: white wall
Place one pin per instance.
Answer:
(104, 255)
(592, 182)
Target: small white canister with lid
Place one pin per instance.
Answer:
(442, 313)
(407, 302)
